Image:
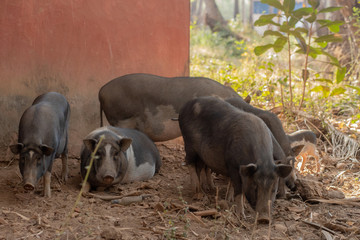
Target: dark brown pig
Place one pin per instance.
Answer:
(125, 155)
(43, 135)
(233, 143)
(148, 103)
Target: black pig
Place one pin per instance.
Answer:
(125, 155)
(233, 143)
(43, 135)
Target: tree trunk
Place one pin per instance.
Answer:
(216, 21)
(251, 18)
(348, 51)
(243, 12)
(236, 8)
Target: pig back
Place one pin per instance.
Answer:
(222, 135)
(46, 122)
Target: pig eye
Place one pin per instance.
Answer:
(38, 160)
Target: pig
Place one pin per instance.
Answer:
(299, 138)
(43, 136)
(303, 144)
(124, 155)
(154, 101)
(233, 143)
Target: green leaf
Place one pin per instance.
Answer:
(265, 19)
(337, 91)
(334, 28)
(323, 80)
(322, 44)
(334, 60)
(314, 3)
(330, 9)
(323, 22)
(300, 39)
(312, 18)
(285, 27)
(302, 30)
(329, 38)
(289, 6)
(272, 33)
(274, 3)
(262, 49)
(279, 44)
(323, 89)
(293, 21)
(354, 87)
(301, 12)
(340, 74)
(314, 52)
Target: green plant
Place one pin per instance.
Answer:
(307, 43)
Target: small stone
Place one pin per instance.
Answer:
(223, 205)
(280, 227)
(341, 166)
(111, 234)
(336, 194)
(159, 207)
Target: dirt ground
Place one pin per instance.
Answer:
(169, 211)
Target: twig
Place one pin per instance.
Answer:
(216, 198)
(84, 183)
(109, 198)
(131, 199)
(319, 131)
(255, 224)
(319, 226)
(32, 235)
(269, 231)
(345, 201)
(197, 219)
(210, 212)
(20, 215)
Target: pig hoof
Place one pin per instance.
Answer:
(198, 196)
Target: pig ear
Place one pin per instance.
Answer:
(46, 150)
(16, 148)
(248, 170)
(90, 143)
(283, 170)
(125, 143)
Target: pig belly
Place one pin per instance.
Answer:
(158, 124)
(135, 173)
(214, 159)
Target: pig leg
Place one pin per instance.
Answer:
(209, 179)
(230, 192)
(239, 200)
(281, 192)
(65, 169)
(47, 182)
(206, 180)
(194, 179)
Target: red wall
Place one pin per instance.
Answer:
(76, 46)
(82, 40)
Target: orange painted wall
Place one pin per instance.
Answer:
(83, 40)
(76, 46)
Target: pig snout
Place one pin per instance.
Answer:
(29, 186)
(263, 218)
(263, 210)
(108, 179)
(30, 179)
